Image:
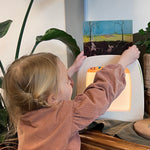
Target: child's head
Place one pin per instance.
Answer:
(33, 82)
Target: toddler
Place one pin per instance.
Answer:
(37, 93)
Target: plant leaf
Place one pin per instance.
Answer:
(1, 80)
(148, 29)
(2, 137)
(4, 26)
(22, 29)
(147, 43)
(1, 102)
(148, 50)
(2, 68)
(3, 117)
(139, 43)
(148, 24)
(64, 37)
(142, 32)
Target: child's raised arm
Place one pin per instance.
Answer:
(77, 64)
(129, 56)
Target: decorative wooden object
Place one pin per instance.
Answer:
(146, 58)
(95, 140)
(146, 72)
(147, 101)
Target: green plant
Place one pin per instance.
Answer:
(50, 34)
(146, 38)
(4, 26)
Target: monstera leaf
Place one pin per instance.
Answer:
(58, 34)
(4, 26)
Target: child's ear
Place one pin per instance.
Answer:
(51, 98)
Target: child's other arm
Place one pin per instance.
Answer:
(77, 64)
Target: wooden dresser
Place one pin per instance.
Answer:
(95, 140)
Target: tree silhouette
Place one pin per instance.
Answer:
(121, 23)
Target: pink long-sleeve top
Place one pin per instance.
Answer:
(56, 128)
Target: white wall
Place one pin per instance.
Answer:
(136, 10)
(63, 14)
(74, 11)
(44, 14)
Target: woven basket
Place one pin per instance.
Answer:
(9, 144)
(146, 59)
(147, 101)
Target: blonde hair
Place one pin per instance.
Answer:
(28, 83)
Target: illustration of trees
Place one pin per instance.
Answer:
(121, 24)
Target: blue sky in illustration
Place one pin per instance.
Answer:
(107, 27)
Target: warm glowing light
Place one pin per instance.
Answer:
(123, 101)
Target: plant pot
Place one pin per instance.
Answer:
(146, 70)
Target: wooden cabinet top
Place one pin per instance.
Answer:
(95, 140)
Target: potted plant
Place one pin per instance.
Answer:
(4, 26)
(145, 34)
(50, 34)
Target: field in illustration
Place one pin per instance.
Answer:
(107, 37)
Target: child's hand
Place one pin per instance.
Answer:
(77, 64)
(129, 56)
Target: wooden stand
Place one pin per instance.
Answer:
(95, 140)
